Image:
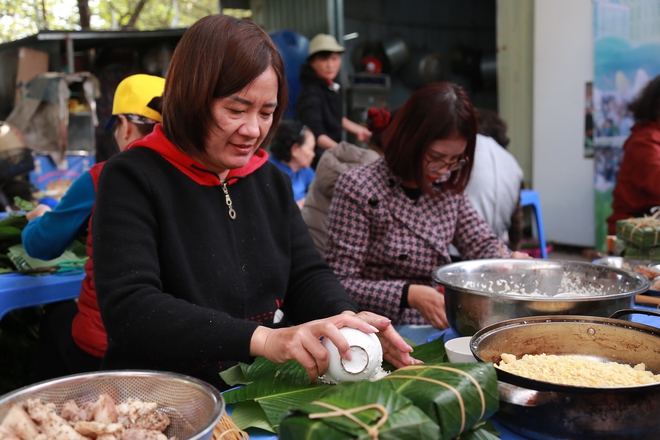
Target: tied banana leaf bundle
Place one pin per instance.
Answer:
(433, 400)
(363, 410)
(455, 396)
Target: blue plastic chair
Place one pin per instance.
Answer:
(530, 197)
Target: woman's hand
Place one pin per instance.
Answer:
(363, 134)
(37, 212)
(302, 342)
(395, 350)
(517, 254)
(430, 303)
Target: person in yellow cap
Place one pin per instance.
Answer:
(72, 337)
(136, 108)
(320, 102)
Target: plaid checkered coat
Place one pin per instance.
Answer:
(380, 240)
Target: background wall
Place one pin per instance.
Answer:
(563, 63)
(429, 26)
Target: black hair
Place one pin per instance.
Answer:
(490, 124)
(241, 51)
(289, 132)
(646, 107)
(324, 54)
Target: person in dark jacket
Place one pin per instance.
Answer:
(202, 258)
(320, 100)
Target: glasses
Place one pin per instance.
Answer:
(438, 164)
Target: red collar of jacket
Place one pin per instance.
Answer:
(158, 142)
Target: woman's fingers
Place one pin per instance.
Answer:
(433, 308)
(303, 342)
(395, 349)
(310, 363)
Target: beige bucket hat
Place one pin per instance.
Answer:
(324, 43)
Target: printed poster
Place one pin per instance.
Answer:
(626, 57)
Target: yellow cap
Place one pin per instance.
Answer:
(135, 92)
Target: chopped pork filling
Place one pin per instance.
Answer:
(100, 420)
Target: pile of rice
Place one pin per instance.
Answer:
(568, 287)
(577, 371)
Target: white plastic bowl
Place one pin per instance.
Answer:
(458, 350)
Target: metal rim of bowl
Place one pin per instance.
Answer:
(449, 267)
(218, 409)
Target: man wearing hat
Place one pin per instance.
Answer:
(320, 100)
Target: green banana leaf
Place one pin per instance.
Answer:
(403, 419)
(276, 389)
(243, 374)
(11, 228)
(14, 220)
(483, 430)
(12, 254)
(249, 414)
(24, 205)
(455, 396)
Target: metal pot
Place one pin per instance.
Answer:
(396, 53)
(542, 410)
(422, 68)
(479, 293)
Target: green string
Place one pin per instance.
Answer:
(70, 267)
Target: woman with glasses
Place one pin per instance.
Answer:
(391, 222)
(292, 151)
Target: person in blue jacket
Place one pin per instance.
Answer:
(292, 150)
(72, 336)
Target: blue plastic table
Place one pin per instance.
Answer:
(18, 290)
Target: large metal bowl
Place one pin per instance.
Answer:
(479, 293)
(543, 410)
(193, 406)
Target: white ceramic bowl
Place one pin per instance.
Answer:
(366, 357)
(458, 350)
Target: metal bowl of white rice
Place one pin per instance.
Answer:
(479, 293)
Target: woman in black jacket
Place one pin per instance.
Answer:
(201, 257)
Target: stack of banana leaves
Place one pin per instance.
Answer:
(13, 257)
(434, 400)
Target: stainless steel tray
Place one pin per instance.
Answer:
(618, 262)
